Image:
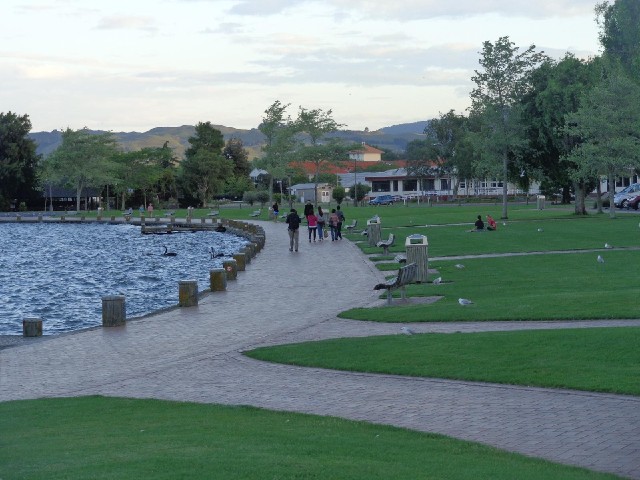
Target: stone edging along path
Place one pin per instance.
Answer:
(194, 354)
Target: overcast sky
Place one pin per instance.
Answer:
(137, 64)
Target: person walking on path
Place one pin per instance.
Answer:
(312, 223)
(276, 211)
(333, 224)
(293, 222)
(321, 224)
(340, 222)
(308, 208)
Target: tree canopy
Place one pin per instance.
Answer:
(18, 160)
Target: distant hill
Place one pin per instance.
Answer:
(394, 138)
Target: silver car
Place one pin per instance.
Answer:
(621, 198)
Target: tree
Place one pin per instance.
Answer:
(142, 170)
(204, 169)
(495, 103)
(608, 123)
(620, 33)
(556, 91)
(338, 194)
(84, 159)
(18, 160)
(280, 144)
(359, 191)
(317, 124)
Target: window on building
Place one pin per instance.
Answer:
(381, 186)
(410, 185)
(444, 184)
(428, 184)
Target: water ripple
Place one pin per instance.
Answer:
(60, 272)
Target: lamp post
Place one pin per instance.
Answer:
(355, 180)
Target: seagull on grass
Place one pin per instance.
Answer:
(459, 265)
(600, 259)
(464, 301)
(606, 245)
(407, 331)
(437, 281)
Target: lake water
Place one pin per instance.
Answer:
(60, 272)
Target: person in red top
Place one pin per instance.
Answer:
(312, 223)
(491, 223)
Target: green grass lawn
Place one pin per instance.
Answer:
(113, 438)
(532, 287)
(599, 359)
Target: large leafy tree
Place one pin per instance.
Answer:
(205, 169)
(556, 91)
(620, 33)
(320, 151)
(608, 124)
(495, 103)
(83, 159)
(279, 132)
(142, 170)
(18, 159)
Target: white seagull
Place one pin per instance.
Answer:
(459, 265)
(437, 281)
(464, 301)
(600, 259)
(407, 331)
(606, 245)
(540, 230)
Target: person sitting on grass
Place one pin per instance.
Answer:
(491, 223)
(479, 225)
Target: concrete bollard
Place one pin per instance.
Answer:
(231, 269)
(218, 279)
(187, 293)
(113, 218)
(39, 218)
(241, 261)
(32, 327)
(247, 253)
(113, 311)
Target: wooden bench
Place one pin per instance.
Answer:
(352, 226)
(213, 213)
(400, 258)
(256, 213)
(405, 276)
(385, 244)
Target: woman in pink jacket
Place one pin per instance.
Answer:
(312, 223)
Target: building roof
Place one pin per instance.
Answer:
(367, 149)
(309, 168)
(307, 186)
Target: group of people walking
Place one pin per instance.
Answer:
(316, 225)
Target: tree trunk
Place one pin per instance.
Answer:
(580, 194)
(599, 196)
(611, 180)
(505, 191)
(78, 193)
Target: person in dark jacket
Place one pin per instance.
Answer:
(293, 222)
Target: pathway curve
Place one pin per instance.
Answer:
(193, 354)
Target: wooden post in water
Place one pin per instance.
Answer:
(32, 327)
(231, 268)
(188, 293)
(218, 279)
(113, 311)
(241, 261)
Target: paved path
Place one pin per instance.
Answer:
(194, 354)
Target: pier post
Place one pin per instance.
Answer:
(188, 293)
(218, 279)
(113, 311)
(231, 267)
(32, 327)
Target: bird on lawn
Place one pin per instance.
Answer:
(464, 301)
(407, 331)
(540, 230)
(459, 265)
(606, 245)
(437, 281)
(600, 259)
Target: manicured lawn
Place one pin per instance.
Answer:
(532, 287)
(112, 438)
(599, 359)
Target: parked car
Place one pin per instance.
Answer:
(382, 200)
(633, 202)
(621, 198)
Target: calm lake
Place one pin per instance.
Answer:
(60, 272)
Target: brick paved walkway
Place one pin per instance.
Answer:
(194, 354)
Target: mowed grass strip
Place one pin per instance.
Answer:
(530, 287)
(599, 359)
(114, 438)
